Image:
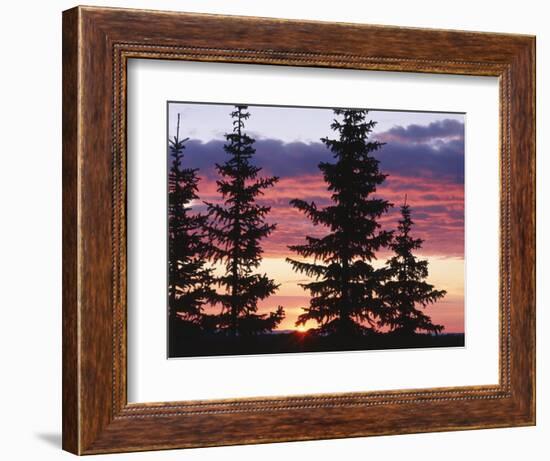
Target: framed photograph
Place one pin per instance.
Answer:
(280, 230)
(282, 239)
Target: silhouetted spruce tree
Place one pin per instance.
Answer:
(407, 288)
(237, 227)
(344, 296)
(189, 278)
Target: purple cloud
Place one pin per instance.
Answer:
(441, 159)
(441, 129)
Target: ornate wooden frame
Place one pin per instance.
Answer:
(97, 43)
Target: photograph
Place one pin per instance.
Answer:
(313, 229)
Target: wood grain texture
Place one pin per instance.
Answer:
(97, 43)
(70, 384)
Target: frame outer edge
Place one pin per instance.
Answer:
(523, 233)
(91, 422)
(533, 174)
(533, 54)
(70, 210)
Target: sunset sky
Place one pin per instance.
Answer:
(423, 157)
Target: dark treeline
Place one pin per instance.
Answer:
(350, 298)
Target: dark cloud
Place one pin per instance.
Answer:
(444, 161)
(439, 157)
(277, 158)
(448, 128)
